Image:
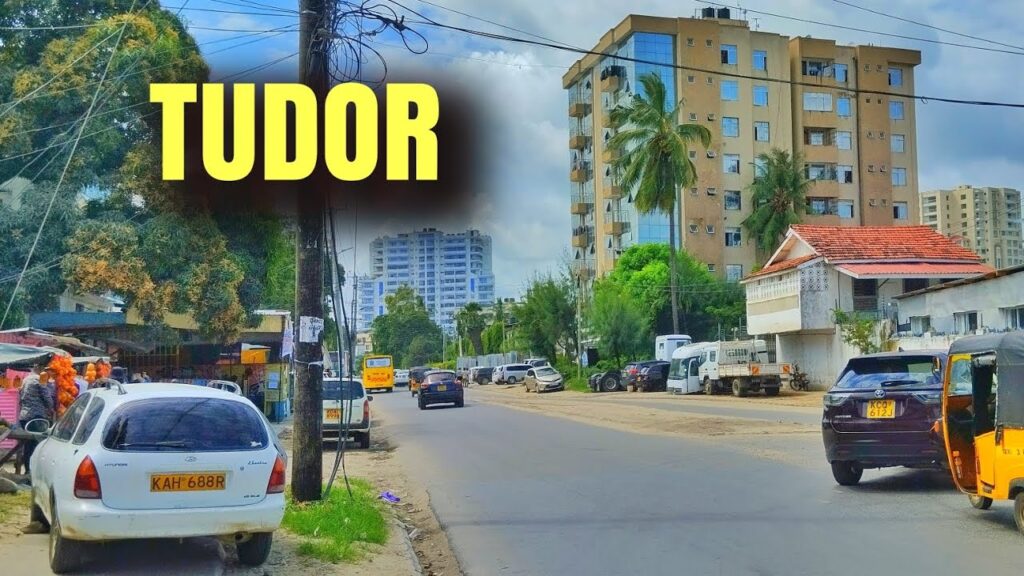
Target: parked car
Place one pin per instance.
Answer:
(608, 381)
(631, 373)
(401, 377)
(496, 374)
(143, 461)
(537, 362)
(881, 411)
(349, 396)
(440, 387)
(544, 379)
(416, 376)
(653, 377)
(512, 373)
(226, 385)
(483, 375)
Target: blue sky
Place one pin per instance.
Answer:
(524, 203)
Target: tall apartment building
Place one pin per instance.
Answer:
(754, 91)
(987, 220)
(446, 270)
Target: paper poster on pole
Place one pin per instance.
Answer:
(310, 328)
(287, 339)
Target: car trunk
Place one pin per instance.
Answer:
(163, 480)
(897, 411)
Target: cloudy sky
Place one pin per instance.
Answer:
(524, 201)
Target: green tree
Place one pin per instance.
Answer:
(778, 196)
(654, 159)
(617, 320)
(406, 322)
(546, 318)
(471, 323)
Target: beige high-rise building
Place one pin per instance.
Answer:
(985, 219)
(754, 91)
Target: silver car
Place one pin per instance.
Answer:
(544, 379)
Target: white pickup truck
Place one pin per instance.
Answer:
(741, 366)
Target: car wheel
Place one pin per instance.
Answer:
(1018, 511)
(364, 440)
(709, 386)
(65, 555)
(255, 550)
(36, 516)
(847, 473)
(980, 502)
(460, 403)
(609, 384)
(511, 379)
(422, 404)
(771, 391)
(739, 389)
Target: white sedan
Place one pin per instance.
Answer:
(158, 461)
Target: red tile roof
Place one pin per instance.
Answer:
(783, 265)
(928, 269)
(838, 243)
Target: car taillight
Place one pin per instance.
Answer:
(276, 483)
(366, 411)
(87, 480)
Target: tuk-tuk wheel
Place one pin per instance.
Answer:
(1018, 511)
(980, 502)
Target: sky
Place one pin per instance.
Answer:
(523, 203)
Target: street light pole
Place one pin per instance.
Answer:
(579, 342)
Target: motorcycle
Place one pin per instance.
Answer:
(799, 381)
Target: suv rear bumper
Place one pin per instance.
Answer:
(880, 449)
(334, 429)
(441, 397)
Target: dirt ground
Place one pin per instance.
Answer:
(608, 410)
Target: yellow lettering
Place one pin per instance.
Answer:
(244, 137)
(336, 130)
(173, 98)
(276, 97)
(401, 129)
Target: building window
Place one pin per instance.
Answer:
(843, 107)
(728, 52)
(730, 90)
(693, 228)
(709, 43)
(966, 322)
(760, 60)
(1014, 317)
(733, 272)
(711, 80)
(898, 142)
(895, 77)
(733, 236)
(733, 200)
(844, 174)
(899, 176)
(817, 137)
(760, 95)
(821, 206)
(710, 228)
(896, 110)
(844, 140)
(841, 72)
(730, 127)
(693, 154)
(817, 101)
(711, 267)
(689, 41)
(691, 78)
(920, 325)
(846, 209)
(819, 171)
(761, 132)
(760, 166)
(731, 163)
(900, 211)
(814, 67)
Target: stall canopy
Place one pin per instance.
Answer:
(20, 355)
(34, 337)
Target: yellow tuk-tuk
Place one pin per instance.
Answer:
(983, 419)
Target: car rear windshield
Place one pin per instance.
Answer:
(378, 362)
(518, 367)
(892, 371)
(342, 390)
(545, 371)
(440, 376)
(185, 425)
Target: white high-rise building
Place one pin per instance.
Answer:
(446, 270)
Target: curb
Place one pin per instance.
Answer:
(410, 552)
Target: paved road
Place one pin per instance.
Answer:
(785, 414)
(523, 493)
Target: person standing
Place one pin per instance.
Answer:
(145, 377)
(35, 401)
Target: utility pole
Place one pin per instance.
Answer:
(579, 345)
(307, 449)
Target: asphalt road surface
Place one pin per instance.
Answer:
(524, 493)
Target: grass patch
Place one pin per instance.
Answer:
(14, 505)
(577, 384)
(333, 529)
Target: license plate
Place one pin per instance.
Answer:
(192, 482)
(441, 387)
(333, 413)
(881, 409)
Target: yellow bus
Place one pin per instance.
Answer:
(378, 373)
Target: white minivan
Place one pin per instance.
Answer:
(512, 373)
(349, 396)
(684, 375)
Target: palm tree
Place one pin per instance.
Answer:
(654, 159)
(471, 324)
(779, 196)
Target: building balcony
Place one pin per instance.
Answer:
(578, 141)
(578, 109)
(607, 121)
(611, 84)
(583, 269)
(610, 155)
(773, 304)
(579, 241)
(615, 224)
(580, 208)
(612, 189)
(580, 173)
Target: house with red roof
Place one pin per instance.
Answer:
(818, 269)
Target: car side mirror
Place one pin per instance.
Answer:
(39, 426)
(369, 398)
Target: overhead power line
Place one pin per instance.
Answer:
(1018, 52)
(922, 24)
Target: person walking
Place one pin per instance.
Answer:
(36, 401)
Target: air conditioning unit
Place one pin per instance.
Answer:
(882, 168)
(693, 116)
(712, 153)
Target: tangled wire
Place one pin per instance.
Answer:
(350, 31)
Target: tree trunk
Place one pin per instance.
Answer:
(673, 289)
(476, 337)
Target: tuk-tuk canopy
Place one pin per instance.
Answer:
(1008, 348)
